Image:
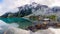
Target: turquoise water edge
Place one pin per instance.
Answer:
(23, 23)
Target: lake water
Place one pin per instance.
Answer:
(23, 23)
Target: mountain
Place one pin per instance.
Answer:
(33, 8)
(56, 9)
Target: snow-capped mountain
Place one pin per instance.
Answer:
(33, 8)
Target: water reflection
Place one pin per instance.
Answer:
(23, 23)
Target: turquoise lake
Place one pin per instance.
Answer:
(23, 23)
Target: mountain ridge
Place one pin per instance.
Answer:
(34, 8)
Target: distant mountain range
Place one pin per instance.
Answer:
(34, 8)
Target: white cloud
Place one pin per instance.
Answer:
(56, 3)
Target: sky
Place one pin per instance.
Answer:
(1, 1)
(11, 5)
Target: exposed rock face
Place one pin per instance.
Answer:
(47, 31)
(20, 31)
(13, 30)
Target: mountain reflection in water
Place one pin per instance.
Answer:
(23, 23)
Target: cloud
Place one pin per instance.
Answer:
(56, 3)
(11, 5)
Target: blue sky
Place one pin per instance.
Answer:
(1, 1)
